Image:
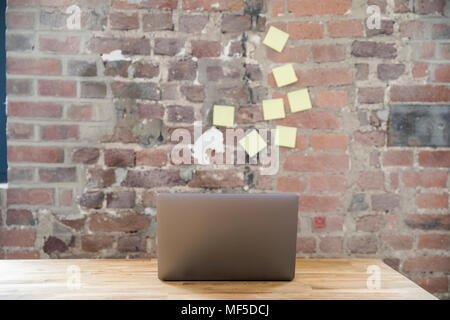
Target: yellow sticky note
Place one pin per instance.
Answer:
(284, 75)
(285, 136)
(253, 143)
(223, 116)
(273, 109)
(276, 39)
(299, 100)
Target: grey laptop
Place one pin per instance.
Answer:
(226, 236)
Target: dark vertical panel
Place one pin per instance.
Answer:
(3, 155)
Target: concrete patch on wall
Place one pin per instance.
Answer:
(419, 125)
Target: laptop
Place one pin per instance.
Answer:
(226, 236)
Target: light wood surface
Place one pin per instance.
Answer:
(137, 279)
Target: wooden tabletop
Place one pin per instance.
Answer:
(137, 279)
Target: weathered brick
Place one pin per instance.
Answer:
(157, 21)
(128, 46)
(82, 68)
(153, 178)
(125, 223)
(398, 158)
(121, 199)
(318, 203)
(206, 48)
(20, 87)
(411, 29)
(390, 71)
(369, 49)
(192, 23)
(20, 131)
(328, 53)
(363, 244)
(440, 31)
(398, 242)
(429, 7)
(19, 42)
(119, 158)
(311, 120)
(331, 99)
(434, 158)
(370, 223)
(58, 174)
(60, 132)
(386, 28)
(57, 88)
(168, 46)
(331, 244)
(65, 45)
(442, 73)
(86, 155)
(92, 199)
(20, 217)
(330, 141)
(132, 243)
(93, 89)
(96, 242)
(182, 70)
(233, 23)
(327, 224)
(145, 70)
(216, 5)
(385, 202)
(20, 20)
(371, 180)
(217, 179)
(434, 284)
(424, 179)
(193, 93)
(80, 112)
(123, 21)
(426, 264)
(428, 221)
(434, 241)
(325, 77)
(327, 182)
(177, 113)
(136, 90)
(306, 245)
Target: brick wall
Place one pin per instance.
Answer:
(89, 136)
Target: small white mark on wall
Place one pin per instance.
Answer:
(115, 55)
(74, 20)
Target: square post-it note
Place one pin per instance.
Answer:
(276, 39)
(252, 143)
(284, 75)
(223, 116)
(273, 109)
(285, 136)
(299, 100)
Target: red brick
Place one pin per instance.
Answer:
(306, 245)
(150, 110)
(318, 7)
(305, 30)
(311, 120)
(371, 138)
(132, 243)
(121, 199)
(434, 241)
(60, 132)
(22, 255)
(442, 73)
(363, 244)
(371, 180)
(434, 284)
(411, 29)
(125, 223)
(291, 184)
(331, 244)
(290, 54)
(206, 49)
(345, 28)
(80, 112)
(445, 51)
(320, 162)
(278, 8)
(17, 238)
(420, 93)
(235, 23)
(96, 242)
(19, 20)
(398, 242)
(152, 158)
(331, 99)
(432, 201)
(123, 21)
(434, 158)
(328, 141)
(50, 175)
(86, 155)
(66, 198)
(429, 7)
(35, 154)
(326, 182)
(68, 45)
(401, 6)
(325, 77)
(370, 223)
(21, 217)
(419, 70)
(398, 158)
(41, 66)
(427, 264)
(34, 109)
(57, 88)
(19, 131)
(30, 196)
(425, 179)
(119, 158)
(192, 23)
(328, 53)
(318, 203)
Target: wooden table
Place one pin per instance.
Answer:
(137, 279)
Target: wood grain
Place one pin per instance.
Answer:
(137, 279)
